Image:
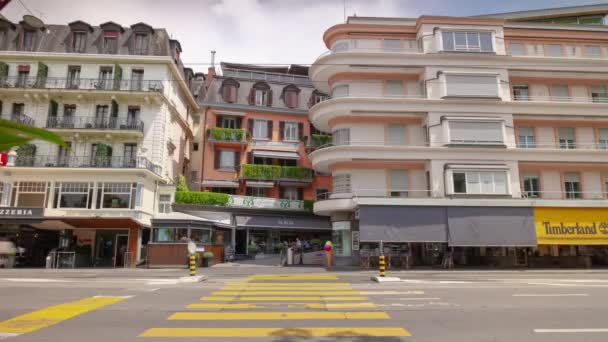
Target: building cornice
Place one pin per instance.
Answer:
(257, 109)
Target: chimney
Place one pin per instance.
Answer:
(213, 58)
(211, 70)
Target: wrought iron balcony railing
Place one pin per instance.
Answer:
(21, 118)
(71, 161)
(32, 82)
(90, 122)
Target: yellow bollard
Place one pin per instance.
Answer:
(192, 265)
(381, 265)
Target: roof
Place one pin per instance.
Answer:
(293, 69)
(551, 12)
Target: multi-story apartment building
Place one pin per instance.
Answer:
(481, 140)
(120, 98)
(253, 145)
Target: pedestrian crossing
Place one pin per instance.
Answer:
(278, 303)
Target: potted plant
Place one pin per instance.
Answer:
(207, 258)
(252, 250)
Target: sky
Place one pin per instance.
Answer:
(256, 31)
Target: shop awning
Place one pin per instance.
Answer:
(491, 226)
(180, 220)
(402, 224)
(284, 222)
(276, 154)
(221, 183)
(256, 184)
(218, 218)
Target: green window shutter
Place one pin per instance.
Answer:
(3, 70)
(43, 73)
(117, 76)
(53, 108)
(114, 108)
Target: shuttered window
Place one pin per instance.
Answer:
(399, 183)
(517, 49)
(396, 134)
(341, 183)
(472, 132)
(340, 91)
(341, 137)
(566, 138)
(472, 85)
(394, 88)
(602, 134)
(526, 137)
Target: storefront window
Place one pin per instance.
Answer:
(164, 235)
(341, 238)
(200, 236)
(118, 195)
(73, 195)
(182, 235)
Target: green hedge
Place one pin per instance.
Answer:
(226, 134)
(308, 204)
(274, 172)
(207, 198)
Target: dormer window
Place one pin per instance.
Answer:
(29, 39)
(79, 41)
(229, 90)
(260, 94)
(141, 43)
(110, 42)
(290, 96)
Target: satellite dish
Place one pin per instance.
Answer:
(33, 21)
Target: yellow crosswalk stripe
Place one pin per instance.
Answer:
(237, 306)
(298, 284)
(277, 332)
(288, 288)
(54, 314)
(284, 298)
(286, 315)
(293, 277)
(340, 305)
(273, 293)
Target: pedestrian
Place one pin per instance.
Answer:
(300, 251)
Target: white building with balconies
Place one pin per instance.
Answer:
(121, 100)
(461, 139)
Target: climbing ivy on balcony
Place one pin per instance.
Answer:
(275, 172)
(41, 76)
(226, 134)
(205, 198)
(319, 140)
(3, 70)
(117, 76)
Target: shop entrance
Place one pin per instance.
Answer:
(121, 257)
(110, 247)
(241, 242)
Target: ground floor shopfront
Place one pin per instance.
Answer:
(458, 236)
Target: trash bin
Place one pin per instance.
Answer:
(289, 256)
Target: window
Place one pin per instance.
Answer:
(321, 193)
(566, 138)
(31, 194)
(194, 175)
(531, 185)
(598, 94)
(260, 129)
(133, 117)
(290, 96)
(137, 79)
(602, 134)
(130, 155)
(262, 161)
(229, 191)
(63, 155)
(229, 90)
(118, 195)
(480, 182)
(340, 46)
(256, 192)
(396, 134)
(467, 41)
(476, 132)
(394, 88)
(29, 38)
(22, 77)
(560, 93)
(341, 183)
(261, 97)
(18, 109)
(110, 42)
(526, 137)
(521, 92)
(105, 78)
(195, 146)
(398, 183)
(554, 50)
(164, 235)
(290, 193)
(592, 51)
(73, 81)
(317, 97)
(141, 44)
(200, 236)
(340, 91)
(517, 49)
(101, 116)
(164, 204)
(341, 137)
(227, 160)
(74, 195)
(572, 185)
(79, 42)
(391, 44)
(290, 131)
(227, 122)
(471, 85)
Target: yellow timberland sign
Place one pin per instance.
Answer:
(571, 226)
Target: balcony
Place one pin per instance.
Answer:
(575, 99)
(275, 173)
(317, 141)
(70, 161)
(93, 123)
(266, 76)
(266, 203)
(33, 82)
(22, 119)
(227, 135)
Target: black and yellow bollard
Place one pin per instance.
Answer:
(192, 264)
(381, 265)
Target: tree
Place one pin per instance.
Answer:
(181, 184)
(13, 134)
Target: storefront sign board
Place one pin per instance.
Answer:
(571, 226)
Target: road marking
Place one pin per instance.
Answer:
(286, 288)
(272, 293)
(36, 280)
(602, 330)
(570, 285)
(276, 332)
(340, 305)
(277, 305)
(54, 314)
(391, 292)
(293, 277)
(281, 298)
(7, 335)
(286, 315)
(551, 295)
(286, 284)
(418, 298)
(224, 306)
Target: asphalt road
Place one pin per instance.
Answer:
(302, 304)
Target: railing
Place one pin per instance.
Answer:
(265, 203)
(70, 161)
(81, 83)
(227, 134)
(266, 76)
(281, 144)
(599, 146)
(577, 99)
(346, 49)
(22, 119)
(275, 172)
(316, 141)
(90, 122)
(562, 194)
